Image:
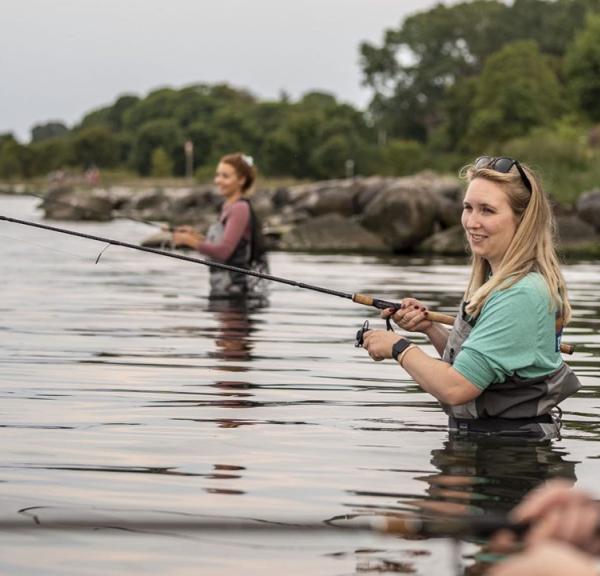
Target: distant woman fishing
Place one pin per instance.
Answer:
(236, 238)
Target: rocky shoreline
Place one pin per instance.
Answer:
(419, 213)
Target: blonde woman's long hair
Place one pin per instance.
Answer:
(532, 248)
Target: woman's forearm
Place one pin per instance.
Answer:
(439, 378)
(438, 336)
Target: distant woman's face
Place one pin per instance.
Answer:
(228, 181)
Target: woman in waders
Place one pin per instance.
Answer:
(235, 239)
(502, 372)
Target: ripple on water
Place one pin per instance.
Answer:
(126, 395)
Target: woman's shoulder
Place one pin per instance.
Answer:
(529, 291)
(532, 283)
(239, 210)
(240, 207)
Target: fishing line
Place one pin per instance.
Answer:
(101, 252)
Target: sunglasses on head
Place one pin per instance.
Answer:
(502, 164)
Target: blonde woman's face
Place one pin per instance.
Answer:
(227, 180)
(488, 220)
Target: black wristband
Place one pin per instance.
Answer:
(400, 347)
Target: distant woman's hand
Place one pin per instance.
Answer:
(412, 316)
(187, 236)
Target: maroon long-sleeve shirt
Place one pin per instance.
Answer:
(237, 227)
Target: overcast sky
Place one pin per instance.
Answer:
(59, 59)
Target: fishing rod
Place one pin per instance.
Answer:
(363, 299)
(457, 527)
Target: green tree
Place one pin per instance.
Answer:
(162, 165)
(551, 24)
(582, 66)
(328, 159)
(234, 130)
(11, 164)
(95, 145)
(49, 155)
(159, 104)
(110, 116)
(161, 133)
(316, 136)
(401, 157)
(516, 92)
(417, 65)
(117, 111)
(280, 154)
(202, 137)
(412, 70)
(49, 130)
(457, 110)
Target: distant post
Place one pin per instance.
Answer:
(349, 168)
(188, 147)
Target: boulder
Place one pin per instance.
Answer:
(451, 242)
(65, 203)
(404, 213)
(194, 205)
(281, 197)
(149, 204)
(588, 208)
(262, 202)
(449, 192)
(295, 194)
(572, 230)
(331, 196)
(331, 232)
(368, 188)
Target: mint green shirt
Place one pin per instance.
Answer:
(514, 334)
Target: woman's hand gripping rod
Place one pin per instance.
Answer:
(433, 316)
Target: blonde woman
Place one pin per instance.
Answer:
(502, 372)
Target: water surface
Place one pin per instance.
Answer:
(124, 394)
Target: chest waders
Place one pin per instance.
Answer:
(515, 407)
(226, 284)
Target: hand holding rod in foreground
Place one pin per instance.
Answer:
(557, 511)
(548, 559)
(565, 523)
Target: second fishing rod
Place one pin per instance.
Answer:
(363, 299)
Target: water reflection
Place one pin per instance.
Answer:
(473, 475)
(133, 397)
(479, 475)
(235, 327)
(489, 475)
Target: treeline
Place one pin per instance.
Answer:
(475, 77)
(521, 79)
(311, 138)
